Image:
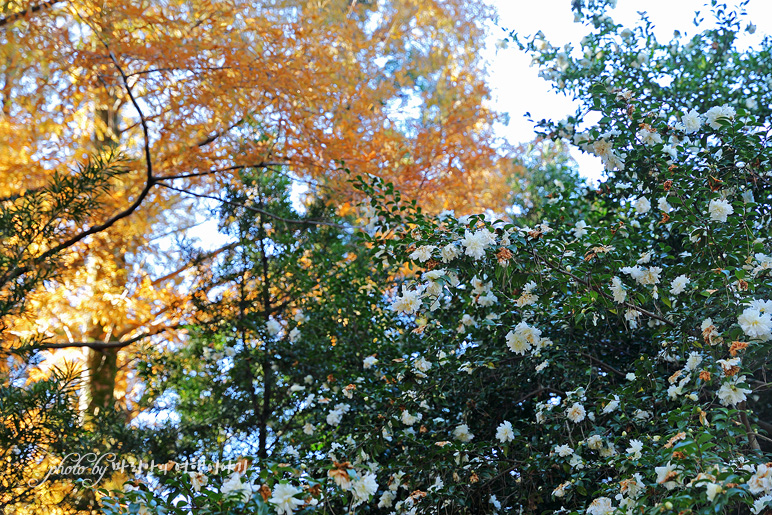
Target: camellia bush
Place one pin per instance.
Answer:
(609, 358)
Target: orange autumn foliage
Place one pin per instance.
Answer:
(314, 88)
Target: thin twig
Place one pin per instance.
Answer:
(258, 210)
(603, 364)
(220, 170)
(605, 295)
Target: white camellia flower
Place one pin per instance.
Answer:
(576, 413)
(504, 432)
(234, 485)
(449, 252)
(476, 243)
(636, 446)
(691, 122)
(423, 253)
(642, 206)
(715, 113)
(560, 491)
(308, 428)
(671, 151)
(645, 258)
(602, 148)
(612, 405)
(197, 480)
(284, 500)
(729, 366)
(595, 442)
(564, 450)
(273, 326)
(409, 419)
(618, 290)
(649, 137)
(601, 506)
(528, 297)
(422, 365)
(755, 324)
(580, 229)
(387, 499)
(713, 489)
(523, 338)
(730, 394)
(650, 275)
(438, 484)
(764, 306)
(663, 206)
(462, 433)
(363, 488)
(761, 503)
(334, 417)
(693, 361)
(489, 299)
(667, 474)
(409, 302)
(761, 480)
(517, 343)
(642, 414)
(719, 210)
(642, 275)
(369, 362)
(679, 285)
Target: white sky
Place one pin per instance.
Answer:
(518, 89)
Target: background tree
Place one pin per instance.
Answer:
(39, 408)
(180, 87)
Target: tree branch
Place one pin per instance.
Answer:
(601, 292)
(21, 14)
(220, 170)
(143, 120)
(217, 134)
(602, 364)
(257, 210)
(150, 182)
(100, 345)
(748, 429)
(206, 256)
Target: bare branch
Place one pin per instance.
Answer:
(258, 210)
(206, 256)
(100, 345)
(261, 164)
